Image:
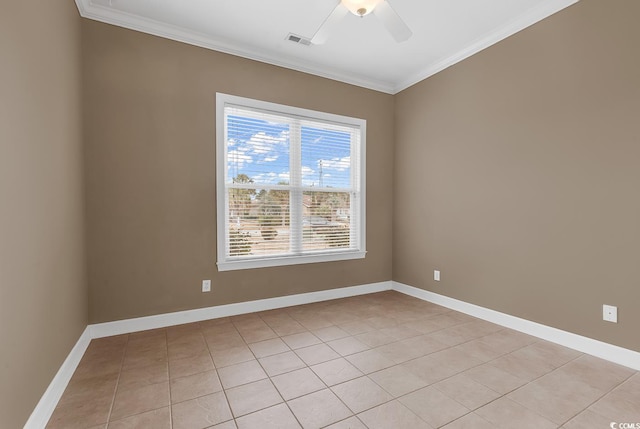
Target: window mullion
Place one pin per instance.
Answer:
(295, 180)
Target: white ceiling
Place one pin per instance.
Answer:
(359, 52)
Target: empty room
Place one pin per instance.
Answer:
(378, 214)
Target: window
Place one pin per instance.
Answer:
(290, 185)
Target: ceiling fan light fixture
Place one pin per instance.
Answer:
(361, 7)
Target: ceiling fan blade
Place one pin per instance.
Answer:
(392, 21)
(329, 24)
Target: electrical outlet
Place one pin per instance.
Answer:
(206, 285)
(610, 313)
(436, 275)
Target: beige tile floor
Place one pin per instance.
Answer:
(376, 361)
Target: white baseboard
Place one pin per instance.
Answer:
(619, 355)
(42, 412)
(169, 319)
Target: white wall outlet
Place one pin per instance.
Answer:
(206, 285)
(436, 275)
(610, 313)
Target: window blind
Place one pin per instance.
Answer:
(292, 184)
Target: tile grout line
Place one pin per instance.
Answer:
(330, 388)
(142, 412)
(321, 380)
(398, 364)
(449, 377)
(224, 391)
(315, 311)
(263, 369)
(115, 392)
(286, 403)
(506, 393)
(307, 366)
(554, 370)
(608, 392)
(526, 384)
(327, 387)
(345, 356)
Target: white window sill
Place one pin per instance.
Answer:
(247, 263)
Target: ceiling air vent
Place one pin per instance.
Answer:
(298, 39)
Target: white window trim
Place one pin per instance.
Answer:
(329, 255)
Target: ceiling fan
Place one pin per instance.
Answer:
(380, 8)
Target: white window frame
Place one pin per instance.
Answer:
(358, 207)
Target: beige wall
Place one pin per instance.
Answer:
(43, 297)
(517, 174)
(150, 176)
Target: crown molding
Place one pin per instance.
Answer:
(133, 22)
(527, 19)
(107, 15)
